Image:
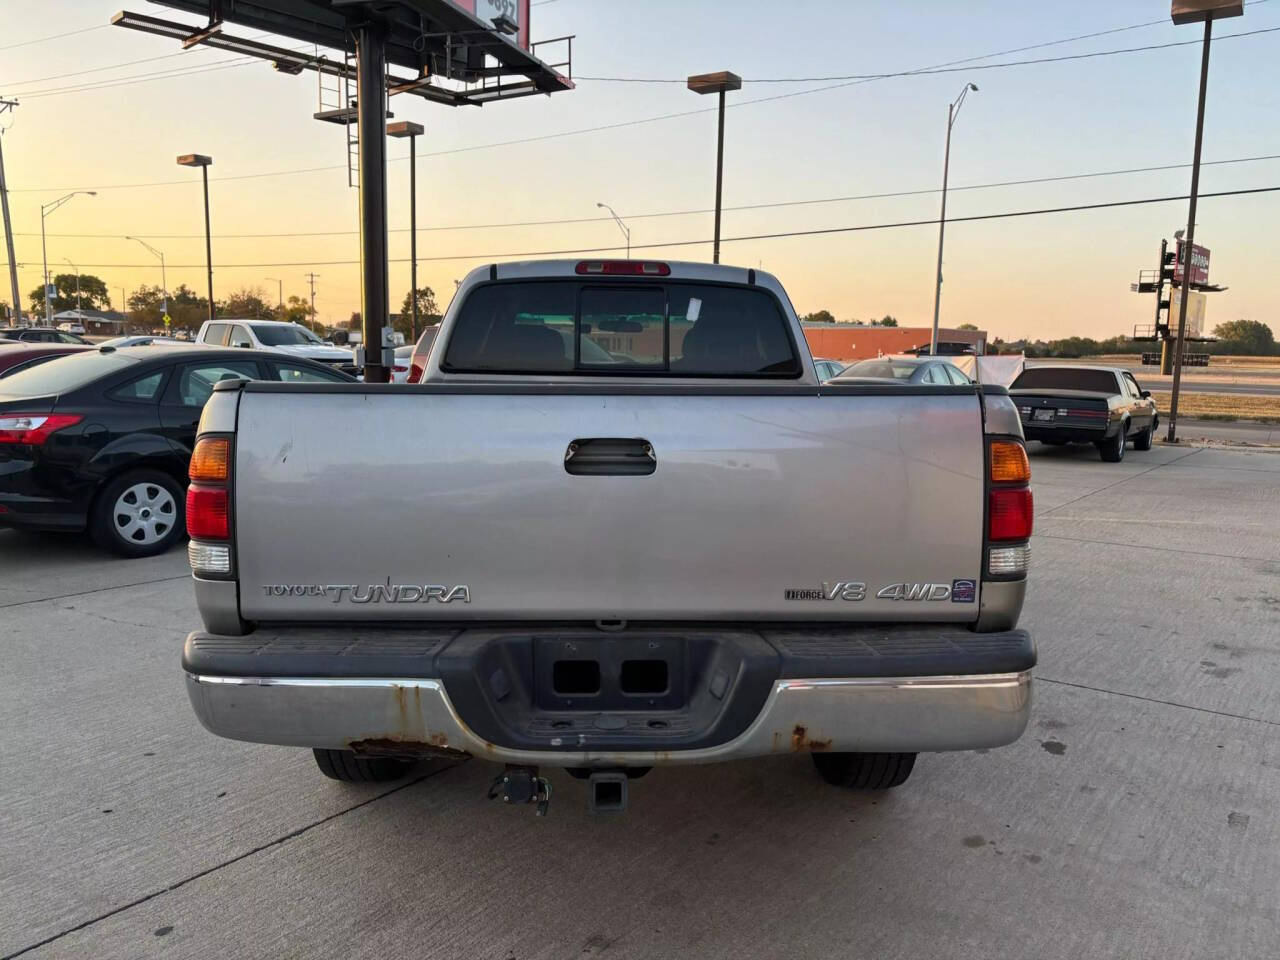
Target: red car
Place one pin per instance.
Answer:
(17, 355)
(418, 361)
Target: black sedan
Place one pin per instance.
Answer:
(101, 439)
(1073, 403)
(39, 335)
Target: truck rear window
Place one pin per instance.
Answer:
(639, 329)
(1066, 378)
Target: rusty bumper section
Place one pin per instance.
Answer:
(414, 717)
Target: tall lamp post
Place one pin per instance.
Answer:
(400, 130)
(279, 291)
(953, 110)
(204, 163)
(1194, 11)
(625, 229)
(45, 210)
(164, 282)
(720, 83)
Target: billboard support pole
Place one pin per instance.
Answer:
(1189, 237)
(371, 91)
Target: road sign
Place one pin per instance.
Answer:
(167, 321)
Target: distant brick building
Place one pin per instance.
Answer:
(848, 342)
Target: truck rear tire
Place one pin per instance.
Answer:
(346, 766)
(864, 771)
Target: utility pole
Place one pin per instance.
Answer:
(952, 110)
(311, 278)
(5, 106)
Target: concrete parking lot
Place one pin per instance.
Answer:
(1136, 817)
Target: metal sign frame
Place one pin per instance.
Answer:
(453, 57)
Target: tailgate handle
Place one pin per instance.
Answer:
(608, 456)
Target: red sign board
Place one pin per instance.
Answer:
(1199, 265)
(516, 11)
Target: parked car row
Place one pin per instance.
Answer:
(40, 335)
(101, 439)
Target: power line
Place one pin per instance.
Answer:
(56, 36)
(673, 213)
(112, 66)
(822, 231)
(542, 137)
(952, 69)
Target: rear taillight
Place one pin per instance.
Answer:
(623, 268)
(209, 462)
(33, 429)
(1009, 463)
(1009, 514)
(1010, 508)
(399, 369)
(209, 507)
(415, 373)
(207, 513)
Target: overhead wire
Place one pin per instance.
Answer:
(820, 231)
(564, 221)
(565, 133)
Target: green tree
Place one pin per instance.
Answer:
(819, 316)
(426, 308)
(1248, 337)
(967, 326)
(93, 294)
(888, 321)
(246, 303)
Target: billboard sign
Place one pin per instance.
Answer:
(1195, 313)
(1199, 265)
(515, 11)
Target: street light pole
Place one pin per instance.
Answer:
(718, 83)
(279, 292)
(1192, 11)
(203, 162)
(45, 210)
(625, 229)
(164, 281)
(400, 130)
(953, 110)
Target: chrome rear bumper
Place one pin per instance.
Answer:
(415, 717)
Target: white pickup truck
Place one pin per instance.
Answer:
(281, 336)
(619, 524)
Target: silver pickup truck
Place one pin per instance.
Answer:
(619, 524)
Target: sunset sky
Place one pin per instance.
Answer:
(1046, 276)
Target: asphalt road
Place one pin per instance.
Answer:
(1136, 817)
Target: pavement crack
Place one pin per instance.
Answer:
(1132, 476)
(226, 863)
(85, 593)
(124, 623)
(1147, 546)
(1167, 703)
